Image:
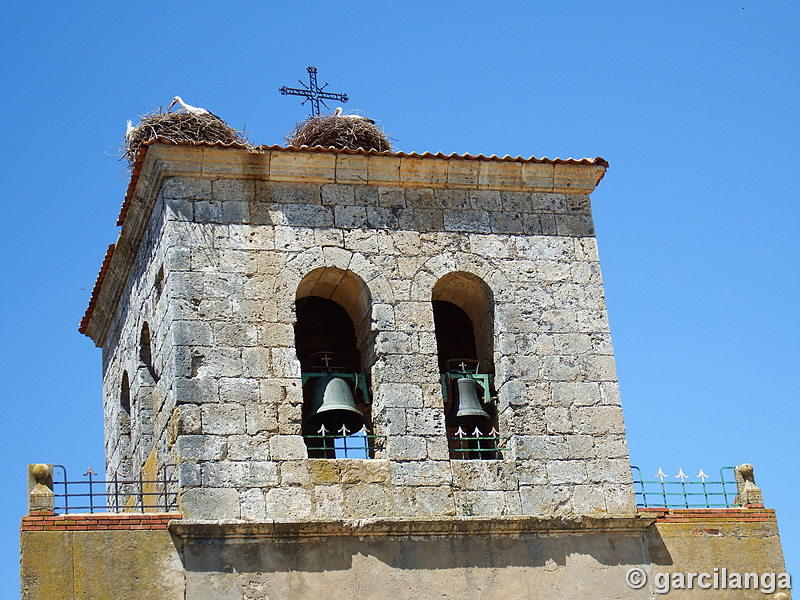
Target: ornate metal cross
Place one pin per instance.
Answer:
(313, 92)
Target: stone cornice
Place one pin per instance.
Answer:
(401, 527)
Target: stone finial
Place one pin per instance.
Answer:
(749, 494)
(40, 488)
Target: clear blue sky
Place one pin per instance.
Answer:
(694, 104)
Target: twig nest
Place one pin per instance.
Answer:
(346, 131)
(179, 128)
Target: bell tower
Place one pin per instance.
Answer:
(326, 333)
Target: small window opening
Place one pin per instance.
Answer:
(336, 410)
(146, 352)
(158, 284)
(125, 394)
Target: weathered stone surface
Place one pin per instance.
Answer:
(217, 276)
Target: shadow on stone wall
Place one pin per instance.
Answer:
(269, 555)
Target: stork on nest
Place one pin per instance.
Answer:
(194, 125)
(339, 131)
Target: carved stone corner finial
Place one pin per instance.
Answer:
(40, 489)
(748, 493)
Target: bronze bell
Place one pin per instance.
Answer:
(332, 405)
(466, 407)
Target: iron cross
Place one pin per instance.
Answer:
(313, 92)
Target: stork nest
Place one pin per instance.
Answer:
(179, 128)
(339, 132)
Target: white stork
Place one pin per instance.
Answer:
(129, 129)
(195, 110)
(338, 113)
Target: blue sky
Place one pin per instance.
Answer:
(693, 104)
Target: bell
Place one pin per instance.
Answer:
(466, 407)
(331, 404)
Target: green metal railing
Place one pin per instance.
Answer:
(471, 447)
(358, 445)
(663, 492)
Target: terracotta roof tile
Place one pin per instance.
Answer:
(96, 290)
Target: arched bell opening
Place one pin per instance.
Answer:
(330, 339)
(463, 312)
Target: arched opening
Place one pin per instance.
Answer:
(331, 340)
(146, 351)
(123, 466)
(463, 312)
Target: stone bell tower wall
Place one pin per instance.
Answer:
(216, 246)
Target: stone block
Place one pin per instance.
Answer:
(600, 368)
(546, 500)
(575, 225)
(424, 501)
(547, 203)
(257, 362)
(529, 447)
(201, 447)
(424, 473)
(288, 503)
(239, 390)
(616, 471)
(338, 195)
(285, 363)
(261, 417)
(367, 500)
(348, 217)
(253, 505)
(462, 174)
(287, 447)
(576, 393)
(191, 333)
(597, 420)
(294, 472)
(289, 418)
(538, 224)
(484, 475)
(560, 368)
(248, 447)
(437, 448)
(352, 168)
(195, 391)
(189, 474)
(588, 500)
(186, 188)
(398, 395)
(209, 503)
(240, 474)
(232, 190)
(380, 217)
(225, 419)
(611, 446)
(391, 197)
(426, 421)
(566, 471)
(486, 503)
(619, 499)
(406, 448)
(327, 502)
(508, 222)
(393, 342)
(467, 220)
(558, 420)
(359, 240)
(364, 471)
